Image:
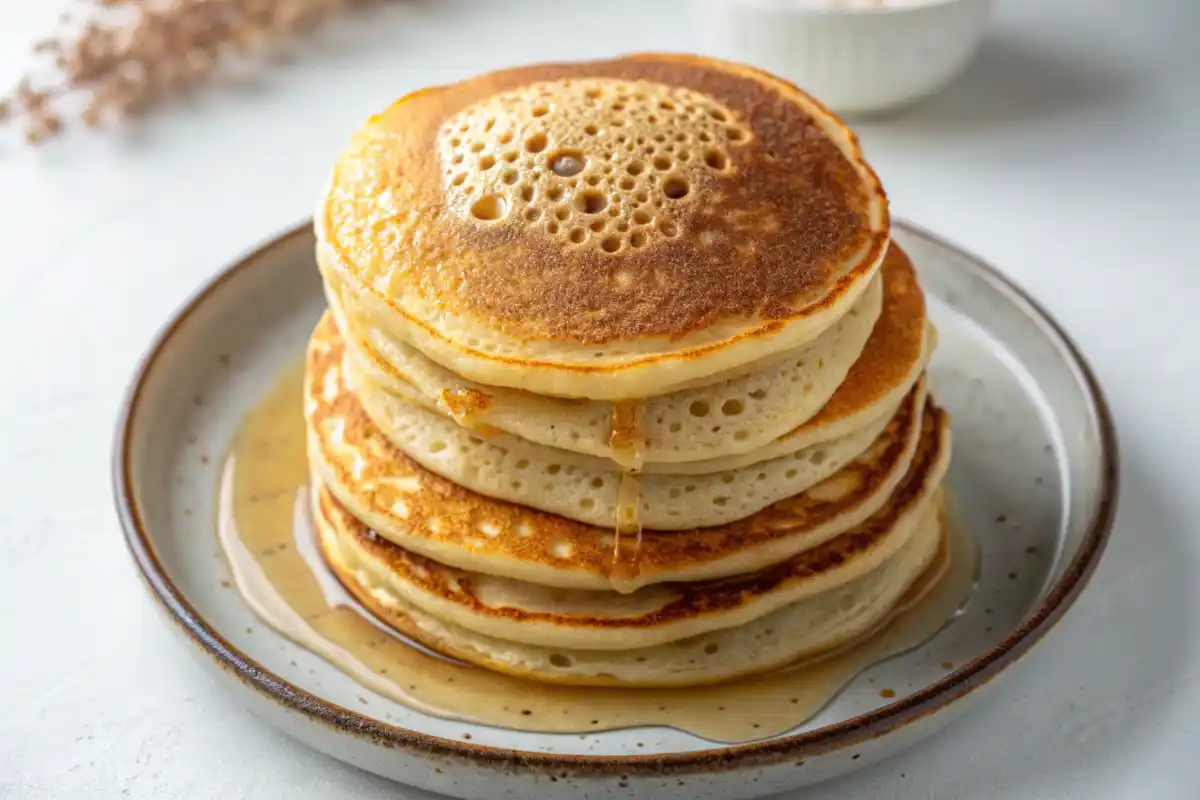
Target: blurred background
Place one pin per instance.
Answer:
(1087, 86)
(1062, 147)
(1070, 115)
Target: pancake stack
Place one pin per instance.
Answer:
(621, 382)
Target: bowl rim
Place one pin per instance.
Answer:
(922, 703)
(808, 8)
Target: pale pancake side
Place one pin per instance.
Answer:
(802, 631)
(432, 516)
(734, 416)
(586, 489)
(893, 358)
(899, 346)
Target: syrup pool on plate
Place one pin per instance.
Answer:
(267, 536)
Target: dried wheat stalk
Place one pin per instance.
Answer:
(114, 58)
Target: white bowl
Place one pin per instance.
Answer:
(857, 58)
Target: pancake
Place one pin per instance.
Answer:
(524, 612)
(893, 359)
(772, 418)
(731, 417)
(810, 627)
(587, 489)
(429, 515)
(606, 230)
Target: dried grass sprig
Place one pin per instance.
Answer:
(112, 59)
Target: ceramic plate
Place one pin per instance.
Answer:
(1034, 471)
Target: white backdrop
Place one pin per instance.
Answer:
(1068, 155)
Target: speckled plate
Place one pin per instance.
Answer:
(1034, 471)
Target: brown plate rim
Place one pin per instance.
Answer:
(926, 701)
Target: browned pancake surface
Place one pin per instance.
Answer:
(754, 213)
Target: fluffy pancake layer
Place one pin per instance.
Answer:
(852, 375)
(587, 489)
(429, 515)
(606, 230)
(733, 416)
(524, 612)
(823, 619)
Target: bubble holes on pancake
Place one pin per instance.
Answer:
(601, 164)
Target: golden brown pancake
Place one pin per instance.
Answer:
(659, 614)
(741, 413)
(893, 358)
(603, 229)
(588, 489)
(434, 517)
(377, 575)
(890, 362)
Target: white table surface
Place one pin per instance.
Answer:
(1069, 155)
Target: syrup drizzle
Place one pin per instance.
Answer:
(628, 448)
(464, 405)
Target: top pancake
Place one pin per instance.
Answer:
(606, 230)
